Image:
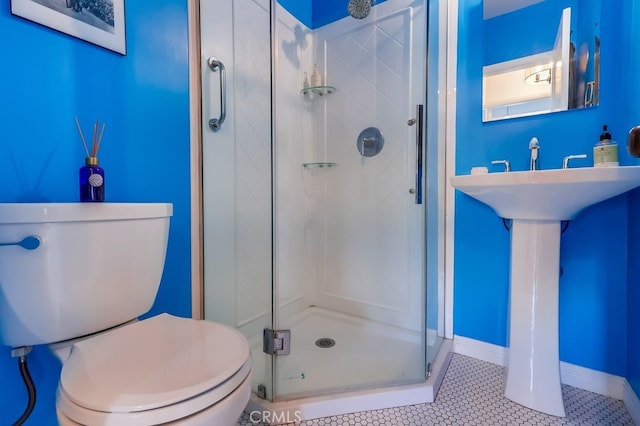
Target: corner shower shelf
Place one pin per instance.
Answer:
(315, 91)
(319, 165)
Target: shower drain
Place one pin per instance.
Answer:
(325, 342)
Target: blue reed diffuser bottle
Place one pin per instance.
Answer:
(91, 180)
(91, 176)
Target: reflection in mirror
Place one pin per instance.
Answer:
(541, 58)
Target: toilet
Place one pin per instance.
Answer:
(93, 270)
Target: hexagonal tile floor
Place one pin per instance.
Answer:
(472, 394)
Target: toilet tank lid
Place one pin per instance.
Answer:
(152, 363)
(21, 213)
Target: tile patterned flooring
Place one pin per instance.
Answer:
(471, 394)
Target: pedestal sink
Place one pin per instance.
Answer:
(538, 201)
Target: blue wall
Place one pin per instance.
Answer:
(48, 78)
(301, 9)
(317, 13)
(633, 300)
(593, 289)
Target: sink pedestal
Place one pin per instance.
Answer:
(533, 367)
(537, 201)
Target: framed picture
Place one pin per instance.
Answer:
(100, 22)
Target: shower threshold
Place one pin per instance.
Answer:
(309, 326)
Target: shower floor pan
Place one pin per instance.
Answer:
(365, 353)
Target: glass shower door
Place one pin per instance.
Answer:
(349, 231)
(236, 152)
(318, 230)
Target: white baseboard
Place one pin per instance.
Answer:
(592, 380)
(570, 374)
(632, 403)
(480, 350)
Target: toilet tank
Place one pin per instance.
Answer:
(97, 265)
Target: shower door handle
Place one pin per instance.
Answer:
(419, 123)
(216, 65)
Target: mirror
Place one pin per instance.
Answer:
(539, 56)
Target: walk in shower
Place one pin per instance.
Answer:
(322, 179)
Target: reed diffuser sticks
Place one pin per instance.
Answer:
(96, 139)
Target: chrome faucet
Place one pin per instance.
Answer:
(565, 160)
(534, 147)
(506, 163)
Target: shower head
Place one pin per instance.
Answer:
(359, 9)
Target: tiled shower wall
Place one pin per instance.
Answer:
(370, 237)
(296, 209)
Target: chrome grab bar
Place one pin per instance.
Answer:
(216, 65)
(419, 122)
(31, 242)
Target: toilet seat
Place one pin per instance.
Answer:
(193, 408)
(154, 371)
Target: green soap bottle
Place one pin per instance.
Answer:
(605, 152)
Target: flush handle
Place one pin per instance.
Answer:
(31, 242)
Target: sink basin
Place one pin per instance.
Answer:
(558, 194)
(537, 201)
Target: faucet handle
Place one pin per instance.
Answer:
(565, 160)
(507, 165)
(534, 143)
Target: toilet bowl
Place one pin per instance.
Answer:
(162, 370)
(89, 271)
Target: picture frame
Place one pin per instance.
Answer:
(100, 22)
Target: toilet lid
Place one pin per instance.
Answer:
(152, 363)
